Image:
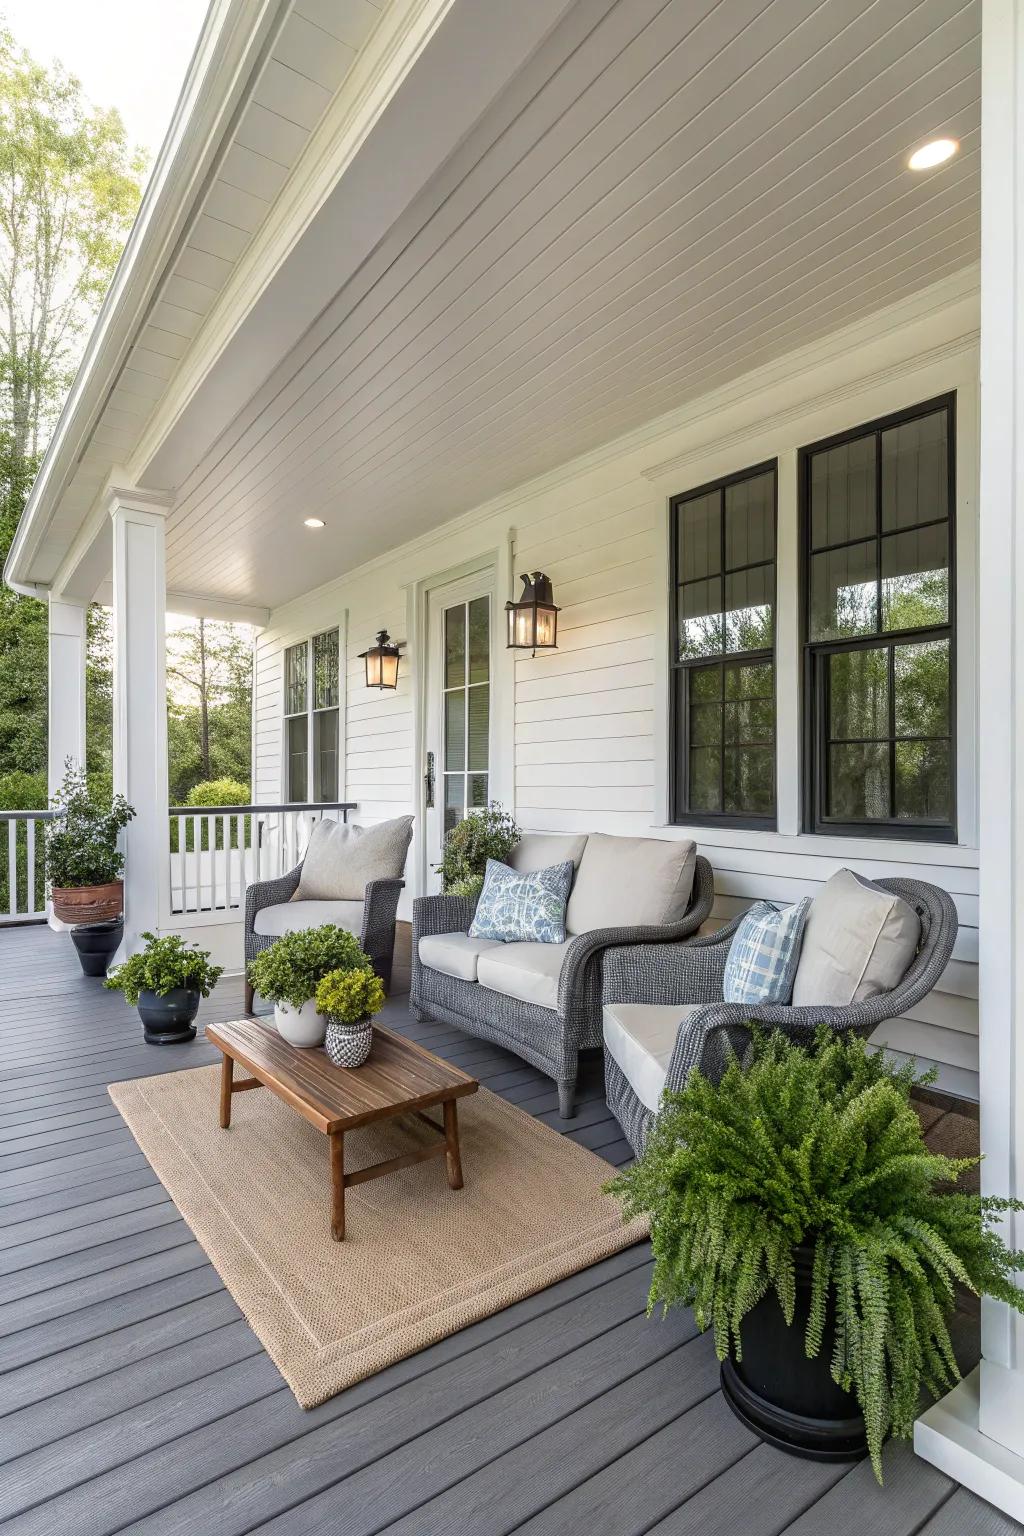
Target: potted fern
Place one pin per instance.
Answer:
(166, 982)
(289, 971)
(796, 1208)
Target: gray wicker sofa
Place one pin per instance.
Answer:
(563, 1014)
(682, 986)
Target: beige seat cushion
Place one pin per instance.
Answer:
(528, 971)
(624, 882)
(539, 850)
(342, 859)
(639, 1037)
(456, 954)
(859, 940)
(292, 916)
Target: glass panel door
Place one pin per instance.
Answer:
(466, 673)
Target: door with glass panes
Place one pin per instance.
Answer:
(460, 673)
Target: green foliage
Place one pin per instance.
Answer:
(291, 969)
(488, 834)
(349, 996)
(21, 791)
(823, 1148)
(82, 843)
(162, 966)
(209, 720)
(218, 792)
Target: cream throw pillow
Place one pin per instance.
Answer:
(859, 940)
(342, 859)
(627, 882)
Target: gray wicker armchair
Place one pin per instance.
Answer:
(375, 931)
(549, 1039)
(694, 973)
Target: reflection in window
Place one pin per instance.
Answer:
(312, 718)
(467, 708)
(723, 656)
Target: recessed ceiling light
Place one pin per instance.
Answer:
(313, 522)
(935, 152)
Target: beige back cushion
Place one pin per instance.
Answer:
(625, 882)
(342, 859)
(859, 940)
(539, 850)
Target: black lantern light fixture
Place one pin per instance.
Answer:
(382, 662)
(533, 621)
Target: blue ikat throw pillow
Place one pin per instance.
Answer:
(765, 953)
(516, 908)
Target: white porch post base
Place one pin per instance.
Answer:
(948, 1436)
(65, 725)
(140, 703)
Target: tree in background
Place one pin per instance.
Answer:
(209, 731)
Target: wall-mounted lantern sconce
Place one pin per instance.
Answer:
(533, 621)
(382, 661)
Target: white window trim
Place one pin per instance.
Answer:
(341, 625)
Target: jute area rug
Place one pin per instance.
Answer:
(419, 1260)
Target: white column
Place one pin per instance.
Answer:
(976, 1434)
(66, 693)
(140, 702)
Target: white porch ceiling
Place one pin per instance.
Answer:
(665, 197)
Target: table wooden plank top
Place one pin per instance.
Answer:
(399, 1076)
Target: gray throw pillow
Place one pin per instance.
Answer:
(341, 859)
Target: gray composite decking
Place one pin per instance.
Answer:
(134, 1396)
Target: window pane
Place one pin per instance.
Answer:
(922, 689)
(843, 493)
(325, 670)
(844, 592)
(750, 521)
(325, 755)
(749, 781)
(480, 640)
(915, 578)
(455, 730)
(705, 779)
(477, 796)
(700, 618)
(748, 609)
(705, 724)
(915, 472)
(455, 647)
(479, 719)
(749, 720)
(922, 781)
(859, 781)
(295, 679)
(705, 683)
(749, 680)
(858, 694)
(454, 799)
(298, 750)
(700, 537)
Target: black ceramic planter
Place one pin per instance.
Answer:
(97, 943)
(169, 1020)
(788, 1400)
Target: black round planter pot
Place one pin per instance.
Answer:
(97, 943)
(169, 1020)
(788, 1400)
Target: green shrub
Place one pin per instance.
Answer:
(350, 996)
(822, 1148)
(482, 835)
(163, 965)
(212, 792)
(218, 792)
(291, 969)
(82, 843)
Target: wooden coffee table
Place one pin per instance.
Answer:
(400, 1078)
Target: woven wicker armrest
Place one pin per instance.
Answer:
(269, 893)
(440, 914)
(687, 972)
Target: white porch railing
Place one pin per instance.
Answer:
(22, 883)
(217, 852)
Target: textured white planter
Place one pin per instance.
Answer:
(300, 1026)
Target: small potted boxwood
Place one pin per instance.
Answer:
(795, 1207)
(288, 972)
(84, 862)
(348, 999)
(490, 833)
(166, 982)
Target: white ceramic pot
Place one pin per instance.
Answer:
(300, 1026)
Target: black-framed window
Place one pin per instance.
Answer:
(879, 613)
(723, 651)
(312, 697)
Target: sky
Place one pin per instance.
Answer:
(128, 54)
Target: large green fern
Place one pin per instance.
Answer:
(821, 1147)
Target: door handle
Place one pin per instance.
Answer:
(428, 782)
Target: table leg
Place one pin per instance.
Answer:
(226, 1069)
(453, 1157)
(338, 1185)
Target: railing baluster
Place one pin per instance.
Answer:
(225, 828)
(211, 848)
(30, 869)
(12, 867)
(197, 862)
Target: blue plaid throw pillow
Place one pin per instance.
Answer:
(515, 908)
(764, 953)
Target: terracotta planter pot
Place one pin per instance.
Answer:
(88, 903)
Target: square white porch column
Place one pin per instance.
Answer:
(65, 736)
(140, 701)
(976, 1434)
